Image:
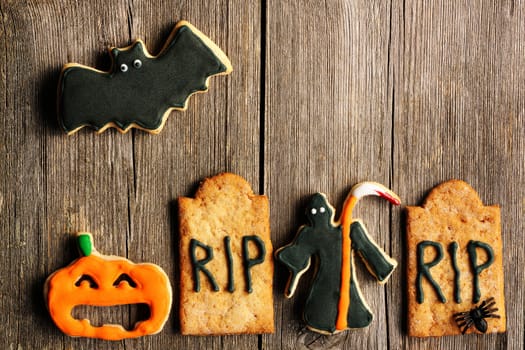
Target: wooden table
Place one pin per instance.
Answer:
(323, 95)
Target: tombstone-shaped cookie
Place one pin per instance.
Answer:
(225, 259)
(455, 264)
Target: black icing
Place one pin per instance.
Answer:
(423, 270)
(129, 94)
(473, 257)
(198, 265)
(248, 262)
(322, 240)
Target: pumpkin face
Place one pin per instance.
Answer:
(99, 280)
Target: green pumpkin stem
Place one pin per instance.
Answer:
(85, 243)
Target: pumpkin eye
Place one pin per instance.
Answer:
(87, 278)
(125, 278)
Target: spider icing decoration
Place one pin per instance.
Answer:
(477, 316)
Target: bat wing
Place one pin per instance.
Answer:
(84, 94)
(140, 97)
(187, 62)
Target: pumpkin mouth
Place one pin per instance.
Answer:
(127, 315)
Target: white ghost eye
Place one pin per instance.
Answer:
(123, 67)
(137, 64)
(313, 211)
(322, 210)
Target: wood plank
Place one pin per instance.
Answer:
(218, 132)
(120, 187)
(459, 113)
(407, 93)
(327, 127)
(58, 185)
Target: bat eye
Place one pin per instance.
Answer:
(313, 211)
(123, 67)
(137, 64)
(322, 210)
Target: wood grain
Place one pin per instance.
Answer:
(328, 127)
(323, 95)
(459, 113)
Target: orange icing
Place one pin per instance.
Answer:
(344, 298)
(152, 288)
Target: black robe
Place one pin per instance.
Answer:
(323, 240)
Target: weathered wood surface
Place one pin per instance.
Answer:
(323, 95)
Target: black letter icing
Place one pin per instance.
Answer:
(198, 265)
(473, 257)
(229, 260)
(423, 270)
(249, 263)
(453, 248)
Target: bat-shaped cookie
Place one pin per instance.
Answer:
(140, 90)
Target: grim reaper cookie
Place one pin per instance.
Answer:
(335, 303)
(455, 264)
(226, 262)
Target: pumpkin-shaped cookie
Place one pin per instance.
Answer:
(99, 280)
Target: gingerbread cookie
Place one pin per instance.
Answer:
(455, 264)
(335, 303)
(139, 90)
(225, 259)
(101, 280)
